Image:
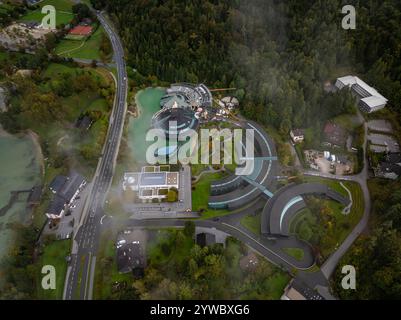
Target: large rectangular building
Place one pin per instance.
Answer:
(65, 190)
(369, 99)
(151, 183)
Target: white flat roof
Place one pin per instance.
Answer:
(351, 80)
(374, 101)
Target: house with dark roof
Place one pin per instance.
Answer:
(297, 290)
(205, 239)
(66, 190)
(130, 257)
(56, 208)
(297, 135)
(390, 168)
(57, 183)
(334, 135)
(73, 185)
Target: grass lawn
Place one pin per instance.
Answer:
(296, 253)
(85, 101)
(106, 272)
(63, 12)
(301, 223)
(357, 209)
(333, 184)
(252, 223)
(211, 213)
(201, 190)
(196, 169)
(55, 69)
(54, 254)
(86, 49)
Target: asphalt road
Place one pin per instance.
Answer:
(330, 265)
(80, 274)
(268, 249)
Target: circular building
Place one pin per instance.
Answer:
(176, 117)
(182, 108)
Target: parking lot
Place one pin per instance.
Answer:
(382, 143)
(380, 126)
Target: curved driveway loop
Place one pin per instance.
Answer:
(286, 203)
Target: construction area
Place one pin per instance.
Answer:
(325, 162)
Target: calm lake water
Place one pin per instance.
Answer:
(19, 170)
(148, 101)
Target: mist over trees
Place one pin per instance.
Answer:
(278, 54)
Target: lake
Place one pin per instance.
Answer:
(19, 170)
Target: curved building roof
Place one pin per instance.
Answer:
(179, 105)
(229, 193)
(288, 201)
(176, 117)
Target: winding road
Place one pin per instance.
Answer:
(330, 264)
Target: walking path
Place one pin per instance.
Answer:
(347, 209)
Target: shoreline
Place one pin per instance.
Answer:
(38, 150)
(4, 133)
(138, 105)
(31, 135)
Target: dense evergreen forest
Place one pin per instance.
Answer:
(278, 54)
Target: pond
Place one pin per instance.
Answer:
(148, 103)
